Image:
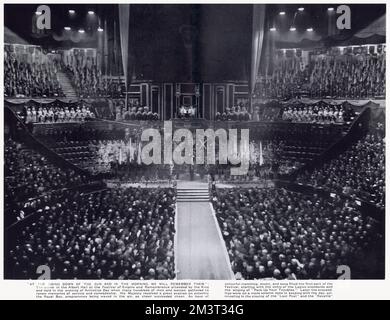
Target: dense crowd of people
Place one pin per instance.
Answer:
(51, 114)
(356, 76)
(28, 174)
(128, 233)
(113, 234)
(39, 79)
(275, 233)
(88, 79)
(109, 152)
(349, 75)
(105, 150)
(315, 114)
(95, 149)
(135, 113)
(121, 160)
(359, 171)
(268, 159)
(297, 112)
(30, 79)
(236, 113)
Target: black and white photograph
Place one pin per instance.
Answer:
(194, 141)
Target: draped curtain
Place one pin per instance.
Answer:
(105, 48)
(124, 26)
(257, 42)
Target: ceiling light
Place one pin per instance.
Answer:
(67, 28)
(272, 29)
(293, 29)
(81, 31)
(301, 9)
(309, 29)
(282, 13)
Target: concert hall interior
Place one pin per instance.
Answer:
(198, 141)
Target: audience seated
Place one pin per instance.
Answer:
(36, 80)
(359, 171)
(273, 233)
(315, 114)
(135, 113)
(88, 80)
(236, 113)
(268, 159)
(113, 234)
(29, 174)
(109, 152)
(358, 75)
(58, 114)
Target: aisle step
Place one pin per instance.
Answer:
(193, 195)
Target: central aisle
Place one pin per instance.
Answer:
(200, 251)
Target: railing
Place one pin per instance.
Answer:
(357, 129)
(23, 133)
(367, 208)
(10, 223)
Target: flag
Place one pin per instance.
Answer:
(120, 155)
(139, 153)
(252, 153)
(131, 151)
(261, 159)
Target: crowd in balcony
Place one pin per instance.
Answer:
(359, 75)
(88, 80)
(324, 114)
(52, 114)
(30, 79)
(359, 171)
(134, 112)
(235, 113)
